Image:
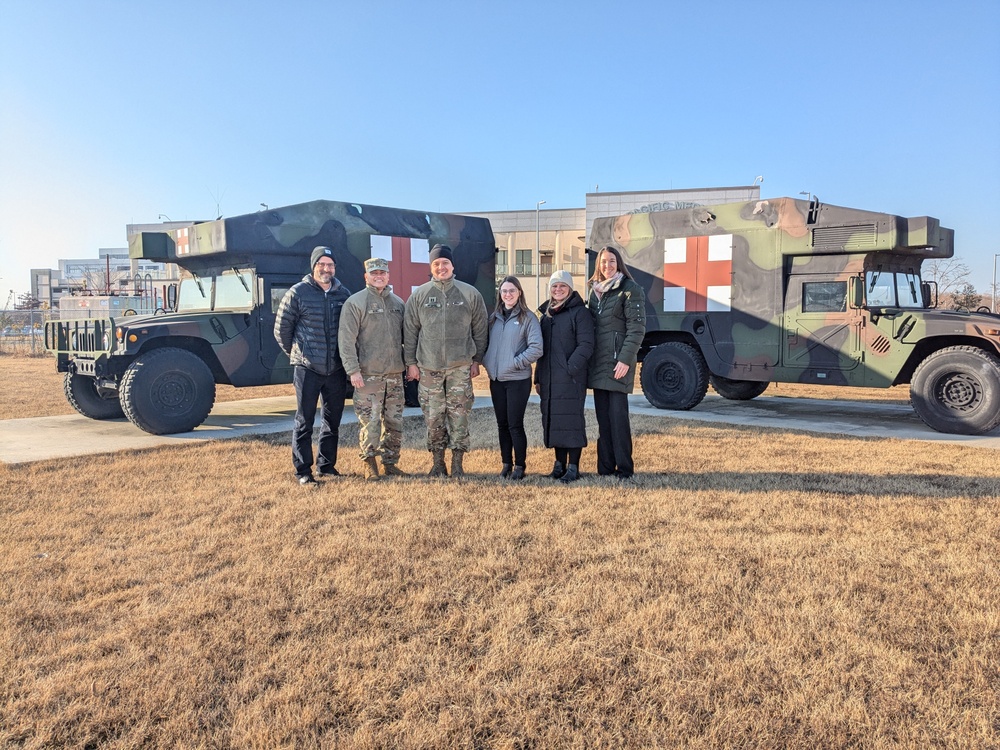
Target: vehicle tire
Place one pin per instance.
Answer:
(167, 390)
(93, 402)
(737, 390)
(674, 376)
(957, 390)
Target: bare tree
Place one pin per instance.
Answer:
(101, 282)
(949, 273)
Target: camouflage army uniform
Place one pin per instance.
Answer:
(445, 331)
(371, 342)
(446, 398)
(380, 401)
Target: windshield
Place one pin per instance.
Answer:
(229, 290)
(893, 289)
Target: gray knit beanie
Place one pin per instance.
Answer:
(561, 277)
(317, 253)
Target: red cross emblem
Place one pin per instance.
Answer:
(699, 269)
(409, 266)
(183, 243)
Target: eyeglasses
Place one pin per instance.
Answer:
(508, 291)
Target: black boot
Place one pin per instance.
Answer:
(517, 473)
(505, 472)
(571, 475)
(557, 470)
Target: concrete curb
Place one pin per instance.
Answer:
(41, 438)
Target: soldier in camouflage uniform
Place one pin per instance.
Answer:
(371, 348)
(444, 339)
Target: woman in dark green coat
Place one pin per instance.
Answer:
(618, 305)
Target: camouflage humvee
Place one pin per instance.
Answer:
(161, 370)
(783, 290)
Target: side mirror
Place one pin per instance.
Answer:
(856, 296)
(929, 293)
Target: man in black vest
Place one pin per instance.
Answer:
(306, 330)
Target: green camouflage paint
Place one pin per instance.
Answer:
(236, 270)
(784, 290)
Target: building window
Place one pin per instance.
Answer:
(523, 265)
(546, 264)
(501, 263)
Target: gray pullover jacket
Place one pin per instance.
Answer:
(371, 333)
(444, 326)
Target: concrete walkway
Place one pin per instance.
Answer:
(25, 440)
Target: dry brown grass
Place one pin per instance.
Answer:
(754, 589)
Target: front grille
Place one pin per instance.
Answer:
(77, 336)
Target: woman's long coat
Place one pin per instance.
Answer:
(619, 327)
(561, 372)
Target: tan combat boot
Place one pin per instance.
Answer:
(456, 464)
(391, 470)
(371, 469)
(438, 469)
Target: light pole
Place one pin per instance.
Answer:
(164, 216)
(995, 256)
(538, 251)
(809, 196)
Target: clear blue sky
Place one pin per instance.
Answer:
(115, 112)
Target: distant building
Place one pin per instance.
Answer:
(94, 282)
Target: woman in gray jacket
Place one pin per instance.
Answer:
(515, 343)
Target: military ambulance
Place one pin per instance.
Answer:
(161, 370)
(741, 295)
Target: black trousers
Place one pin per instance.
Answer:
(309, 388)
(510, 399)
(614, 433)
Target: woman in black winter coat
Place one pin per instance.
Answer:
(561, 374)
(618, 305)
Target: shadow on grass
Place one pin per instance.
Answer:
(828, 484)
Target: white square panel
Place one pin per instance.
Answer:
(673, 298)
(420, 251)
(719, 298)
(675, 250)
(381, 246)
(720, 247)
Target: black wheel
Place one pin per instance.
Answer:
(674, 376)
(167, 390)
(957, 390)
(737, 390)
(84, 396)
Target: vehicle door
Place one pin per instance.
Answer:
(822, 332)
